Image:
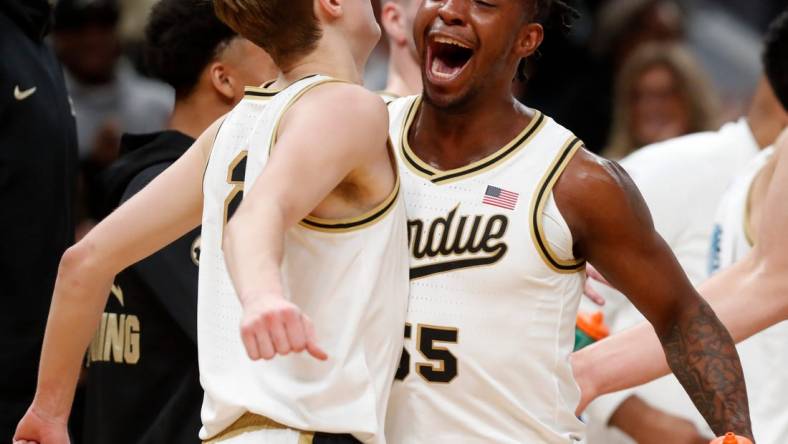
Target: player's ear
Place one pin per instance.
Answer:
(222, 81)
(528, 39)
(392, 18)
(330, 9)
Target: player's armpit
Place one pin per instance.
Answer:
(332, 132)
(612, 229)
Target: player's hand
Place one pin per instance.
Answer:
(36, 428)
(272, 325)
(589, 290)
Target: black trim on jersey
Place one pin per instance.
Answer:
(438, 177)
(428, 270)
(258, 93)
(536, 215)
(356, 223)
(534, 128)
(416, 165)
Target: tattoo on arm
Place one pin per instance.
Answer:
(702, 355)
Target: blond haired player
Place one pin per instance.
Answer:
(320, 237)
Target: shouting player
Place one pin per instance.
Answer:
(505, 207)
(330, 249)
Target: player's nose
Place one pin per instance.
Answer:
(454, 12)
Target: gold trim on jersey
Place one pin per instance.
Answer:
(255, 93)
(250, 422)
(348, 224)
(489, 162)
(388, 96)
(538, 203)
(354, 223)
(291, 102)
(261, 92)
(238, 185)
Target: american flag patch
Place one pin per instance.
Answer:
(501, 198)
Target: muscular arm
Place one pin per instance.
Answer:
(316, 151)
(612, 228)
(748, 297)
(166, 209)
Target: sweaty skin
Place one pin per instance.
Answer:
(469, 115)
(748, 297)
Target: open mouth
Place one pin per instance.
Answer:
(448, 57)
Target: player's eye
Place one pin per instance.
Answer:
(485, 4)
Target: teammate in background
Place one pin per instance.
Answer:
(505, 207)
(743, 214)
(334, 246)
(38, 169)
(702, 165)
(404, 73)
(142, 379)
(633, 357)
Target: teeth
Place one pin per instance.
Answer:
(450, 41)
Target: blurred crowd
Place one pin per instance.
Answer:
(632, 73)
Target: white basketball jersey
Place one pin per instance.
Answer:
(349, 276)
(731, 238)
(764, 356)
(493, 297)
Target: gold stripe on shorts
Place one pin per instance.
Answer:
(250, 422)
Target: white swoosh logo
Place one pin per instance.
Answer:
(22, 95)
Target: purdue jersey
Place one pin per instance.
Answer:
(493, 297)
(764, 356)
(349, 276)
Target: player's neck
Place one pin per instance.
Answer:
(404, 73)
(332, 58)
(452, 138)
(193, 114)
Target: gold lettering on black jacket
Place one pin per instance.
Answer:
(460, 241)
(117, 338)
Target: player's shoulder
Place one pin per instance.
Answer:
(343, 103)
(591, 179)
(348, 95)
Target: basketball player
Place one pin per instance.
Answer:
(404, 77)
(749, 213)
(701, 165)
(142, 386)
(330, 249)
(505, 207)
(632, 357)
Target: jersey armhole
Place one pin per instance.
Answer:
(289, 104)
(210, 151)
(366, 219)
(539, 201)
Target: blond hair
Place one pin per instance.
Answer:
(285, 29)
(693, 85)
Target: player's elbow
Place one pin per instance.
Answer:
(675, 312)
(79, 262)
